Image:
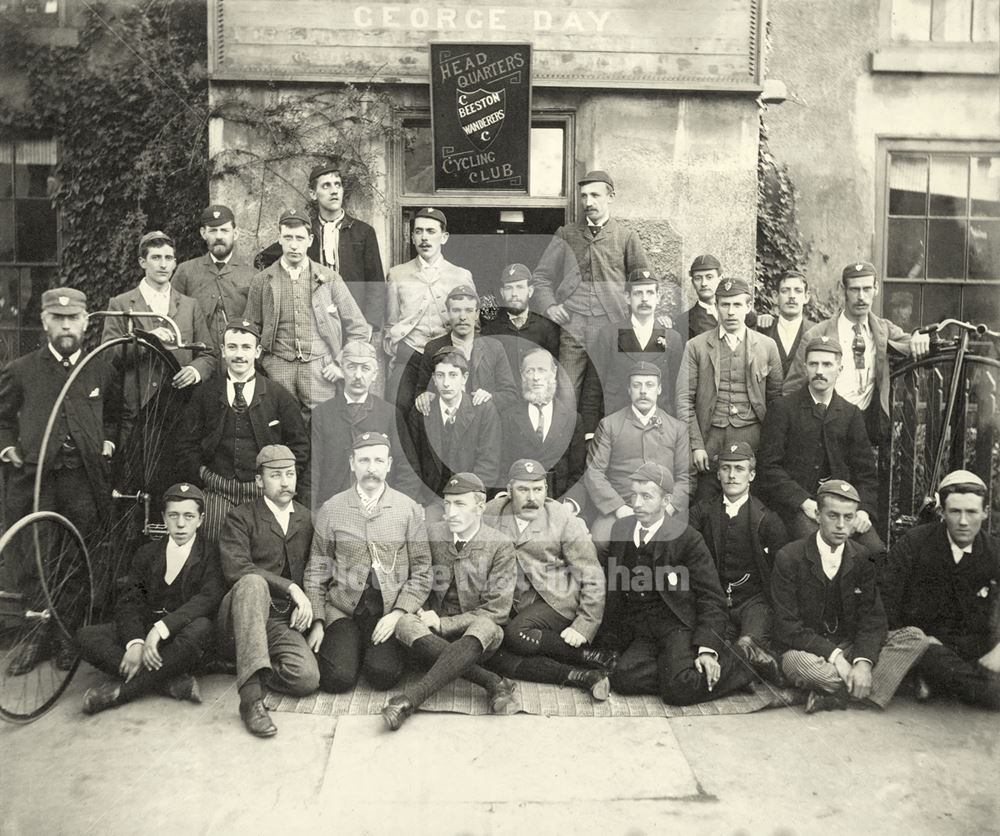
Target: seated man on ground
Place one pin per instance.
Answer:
(829, 617)
(462, 625)
(163, 621)
(943, 578)
(263, 547)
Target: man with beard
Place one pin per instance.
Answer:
(461, 623)
(620, 345)
(370, 565)
(490, 377)
(829, 617)
(220, 279)
(75, 480)
(518, 328)
(559, 599)
(263, 548)
(229, 420)
(787, 329)
(624, 441)
(702, 316)
(813, 436)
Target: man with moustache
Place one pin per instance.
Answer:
(220, 279)
(732, 374)
(490, 376)
(942, 578)
(580, 278)
(519, 328)
(702, 316)
(263, 548)
(559, 599)
(743, 536)
(370, 565)
(461, 623)
(813, 436)
(229, 420)
(787, 329)
(75, 471)
(624, 441)
(829, 618)
(545, 427)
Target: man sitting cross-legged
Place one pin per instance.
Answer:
(163, 621)
(474, 573)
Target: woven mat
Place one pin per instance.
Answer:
(462, 697)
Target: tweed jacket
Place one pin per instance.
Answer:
(349, 545)
(252, 543)
(621, 445)
(691, 587)
(786, 359)
(222, 294)
(409, 299)
(489, 369)
(190, 319)
(201, 583)
(556, 561)
(697, 395)
(787, 465)
(920, 573)
(484, 573)
(797, 592)
(337, 316)
(575, 255)
(767, 534)
(538, 332)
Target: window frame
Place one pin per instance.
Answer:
(951, 57)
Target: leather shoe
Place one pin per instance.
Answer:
(396, 711)
(184, 687)
(822, 701)
(762, 662)
(502, 699)
(101, 697)
(587, 679)
(257, 720)
(33, 649)
(605, 659)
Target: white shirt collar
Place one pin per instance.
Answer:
(72, 358)
(644, 419)
(733, 508)
(158, 300)
(281, 516)
(337, 220)
(426, 265)
(650, 531)
(846, 327)
(710, 308)
(957, 552)
(292, 271)
(600, 222)
(176, 558)
(732, 339)
(470, 538)
(442, 407)
(830, 557)
(369, 503)
(644, 333)
(349, 399)
(518, 319)
(521, 524)
(249, 386)
(223, 260)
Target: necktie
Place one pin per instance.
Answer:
(449, 415)
(858, 346)
(220, 266)
(643, 534)
(239, 402)
(331, 242)
(819, 410)
(460, 544)
(539, 423)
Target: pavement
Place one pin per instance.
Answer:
(160, 767)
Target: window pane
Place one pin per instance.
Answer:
(6, 230)
(986, 21)
(907, 184)
(911, 20)
(984, 250)
(6, 170)
(951, 20)
(982, 304)
(949, 186)
(36, 231)
(35, 168)
(946, 249)
(941, 302)
(906, 248)
(986, 187)
(418, 166)
(902, 305)
(546, 160)
(9, 303)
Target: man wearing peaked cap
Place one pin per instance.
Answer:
(829, 617)
(305, 314)
(943, 578)
(416, 310)
(702, 316)
(220, 279)
(519, 328)
(580, 278)
(229, 420)
(163, 620)
(732, 375)
(263, 549)
(75, 470)
(814, 436)
(460, 625)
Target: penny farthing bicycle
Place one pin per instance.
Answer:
(55, 578)
(945, 416)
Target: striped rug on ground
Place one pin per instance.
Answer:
(462, 697)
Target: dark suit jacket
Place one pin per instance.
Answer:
(252, 543)
(218, 292)
(489, 369)
(698, 321)
(789, 457)
(767, 533)
(699, 603)
(916, 582)
(786, 359)
(797, 594)
(202, 588)
(275, 417)
(537, 332)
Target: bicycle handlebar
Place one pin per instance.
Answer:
(979, 329)
(171, 325)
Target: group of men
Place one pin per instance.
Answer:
(573, 492)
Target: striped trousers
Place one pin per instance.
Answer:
(901, 651)
(222, 495)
